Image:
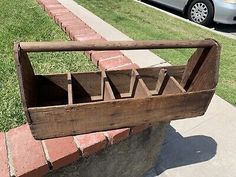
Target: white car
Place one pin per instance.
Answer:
(205, 11)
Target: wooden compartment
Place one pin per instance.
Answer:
(51, 90)
(127, 84)
(76, 103)
(86, 87)
(153, 77)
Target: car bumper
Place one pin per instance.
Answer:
(225, 13)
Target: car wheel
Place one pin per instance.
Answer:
(201, 12)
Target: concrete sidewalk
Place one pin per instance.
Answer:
(193, 147)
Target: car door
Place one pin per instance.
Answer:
(177, 4)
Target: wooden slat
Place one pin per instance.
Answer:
(70, 90)
(49, 122)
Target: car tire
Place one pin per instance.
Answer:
(201, 12)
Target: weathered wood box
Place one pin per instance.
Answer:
(76, 103)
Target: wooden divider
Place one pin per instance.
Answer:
(173, 87)
(139, 88)
(163, 78)
(107, 92)
(167, 84)
(70, 90)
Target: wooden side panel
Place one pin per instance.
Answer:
(202, 69)
(85, 118)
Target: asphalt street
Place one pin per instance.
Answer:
(227, 29)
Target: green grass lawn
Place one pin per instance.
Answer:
(26, 21)
(141, 22)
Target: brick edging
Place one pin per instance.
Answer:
(22, 155)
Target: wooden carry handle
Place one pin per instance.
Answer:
(114, 45)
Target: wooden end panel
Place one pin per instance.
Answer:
(26, 77)
(202, 69)
(85, 118)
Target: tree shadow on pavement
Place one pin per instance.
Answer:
(180, 151)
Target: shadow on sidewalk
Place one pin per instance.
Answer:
(180, 151)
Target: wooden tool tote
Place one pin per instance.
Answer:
(76, 103)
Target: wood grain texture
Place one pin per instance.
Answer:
(26, 79)
(113, 45)
(202, 69)
(77, 103)
(100, 116)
